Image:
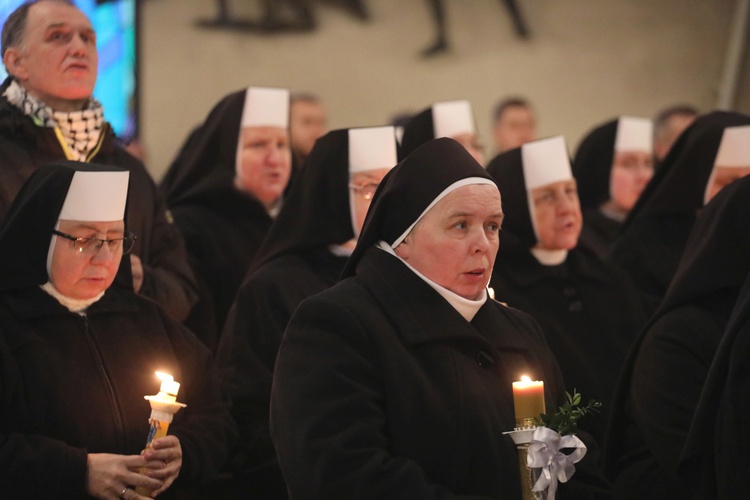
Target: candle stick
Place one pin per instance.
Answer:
(163, 407)
(528, 401)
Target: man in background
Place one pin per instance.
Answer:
(513, 124)
(48, 113)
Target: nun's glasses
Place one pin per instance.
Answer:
(366, 189)
(91, 246)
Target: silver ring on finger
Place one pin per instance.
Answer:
(122, 493)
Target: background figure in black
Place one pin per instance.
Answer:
(441, 44)
(714, 453)
(454, 119)
(653, 237)
(664, 375)
(224, 188)
(588, 311)
(669, 124)
(302, 255)
(612, 166)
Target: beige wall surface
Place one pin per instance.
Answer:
(588, 61)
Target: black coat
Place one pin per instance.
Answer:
(294, 263)
(589, 313)
(222, 238)
(715, 451)
(654, 235)
(599, 232)
(383, 390)
(666, 382)
(664, 374)
(223, 227)
(168, 279)
(73, 385)
(247, 355)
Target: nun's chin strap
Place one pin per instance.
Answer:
(549, 257)
(77, 306)
(465, 307)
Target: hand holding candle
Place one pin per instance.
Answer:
(528, 401)
(163, 406)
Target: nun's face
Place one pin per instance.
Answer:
(84, 275)
(456, 241)
(471, 142)
(264, 163)
(631, 171)
(557, 215)
(723, 176)
(362, 188)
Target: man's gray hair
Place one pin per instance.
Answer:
(15, 25)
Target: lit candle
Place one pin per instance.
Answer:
(169, 388)
(528, 400)
(163, 407)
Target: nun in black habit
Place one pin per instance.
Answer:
(654, 235)
(79, 348)
(612, 166)
(303, 254)
(666, 370)
(715, 459)
(587, 309)
(223, 190)
(454, 119)
(396, 382)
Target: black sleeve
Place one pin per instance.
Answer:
(168, 278)
(246, 355)
(205, 428)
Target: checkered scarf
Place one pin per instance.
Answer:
(81, 129)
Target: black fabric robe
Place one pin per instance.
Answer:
(599, 232)
(592, 168)
(383, 390)
(168, 278)
(588, 310)
(714, 458)
(589, 314)
(294, 263)
(74, 384)
(247, 355)
(655, 232)
(222, 226)
(667, 367)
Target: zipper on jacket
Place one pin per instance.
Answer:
(119, 424)
(66, 149)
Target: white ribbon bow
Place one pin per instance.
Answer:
(544, 451)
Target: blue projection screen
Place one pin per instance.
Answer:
(115, 25)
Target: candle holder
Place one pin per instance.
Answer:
(163, 407)
(529, 476)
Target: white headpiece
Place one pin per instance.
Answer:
(96, 197)
(545, 161)
(734, 150)
(372, 148)
(451, 118)
(266, 107)
(634, 134)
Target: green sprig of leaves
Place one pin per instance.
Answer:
(565, 420)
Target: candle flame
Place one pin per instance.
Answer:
(164, 376)
(525, 378)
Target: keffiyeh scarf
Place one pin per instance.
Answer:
(80, 129)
